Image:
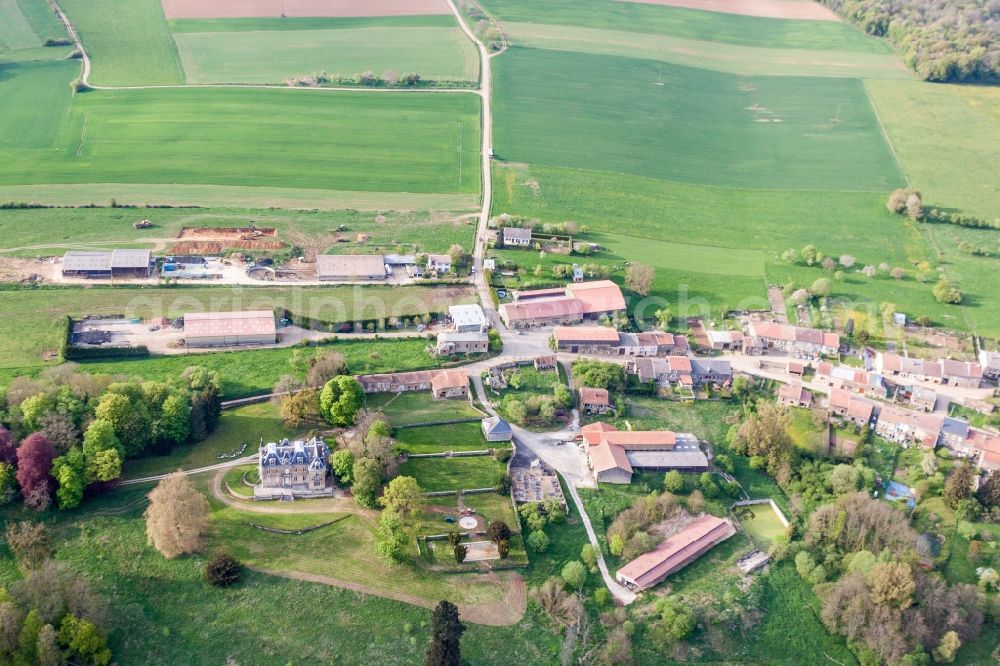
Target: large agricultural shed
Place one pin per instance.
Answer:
(350, 267)
(224, 329)
(108, 264)
(675, 553)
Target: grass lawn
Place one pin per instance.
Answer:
(767, 132)
(42, 312)
(688, 23)
(243, 137)
(247, 424)
(762, 525)
(273, 56)
(805, 434)
(435, 474)
(419, 407)
(42, 231)
(234, 477)
(127, 40)
(452, 437)
(709, 54)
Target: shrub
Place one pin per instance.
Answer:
(575, 574)
(222, 569)
(537, 541)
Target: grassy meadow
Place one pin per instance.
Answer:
(688, 23)
(439, 438)
(308, 139)
(128, 41)
(437, 474)
(946, 138)
(406, 409)
(782, 132)
(273, 56)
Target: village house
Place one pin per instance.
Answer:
(851, 407)
(961, 373)
(852, 379)
(543, 312)
(350, 268)
(984, 449)
(547, 362)
(468, 318)
(456, 342)
(291, 469)
(227, 329)
(711, 371)
(906, 427)
(563, 306)
(923, 398)
(722, 340)
(954, 432)
(105, 265)
(795, 368)
(955, 373)
(791, 339)
(516, 237)
(439, 263)
(613, 454)
(990, 363)
(681, 370)
(496, 429)
(795, 395)
(672, 555)
(450, 384)
(606, 341)
(594, 400)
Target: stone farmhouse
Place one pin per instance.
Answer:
(442, 383)
(795, 395)
(675, 553)
(613, 455)
(457, 342)
(577, 302)
(851, 407)
(906, 427)
(681, 370)
(594, 401)
(791, 339)
(990, 362)
(293, 469)
(496, 429)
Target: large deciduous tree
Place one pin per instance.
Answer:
(177, 517)
(34, 463)
(404, 497)
(340, 400)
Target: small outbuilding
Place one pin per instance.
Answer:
(496, 429)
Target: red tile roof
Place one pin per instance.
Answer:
(679, 364)
(449, 379)
(598, 296)
(594, 396)
(677, 551)
(542, 309)
(586, 334)
(604, 457)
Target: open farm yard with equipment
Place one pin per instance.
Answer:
(275, 56)
(787, 133)
(272, 138)
(688, 24)
(33, 321)
(946, 138)
(49, 231)
(733, 58)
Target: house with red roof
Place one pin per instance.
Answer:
(614, 454)
(793, 339)
(675, 553)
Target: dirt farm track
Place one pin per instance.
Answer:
(200, 9)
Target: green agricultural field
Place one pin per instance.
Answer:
(688, 23)
(247, 424)
(86, 194)
(15, 29)
(34, 232)
(37, 100)
(436, 474)
(781, 132)
(403, 409)
(273, 138)
(946, 139)
(309, 23)
(436, 439)
(736, 59)
(128, 41)
(274, 56)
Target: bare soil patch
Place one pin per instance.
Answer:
(782, 9)
(217, 247)
(215, 240)
(200, 9)
(225, 233)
